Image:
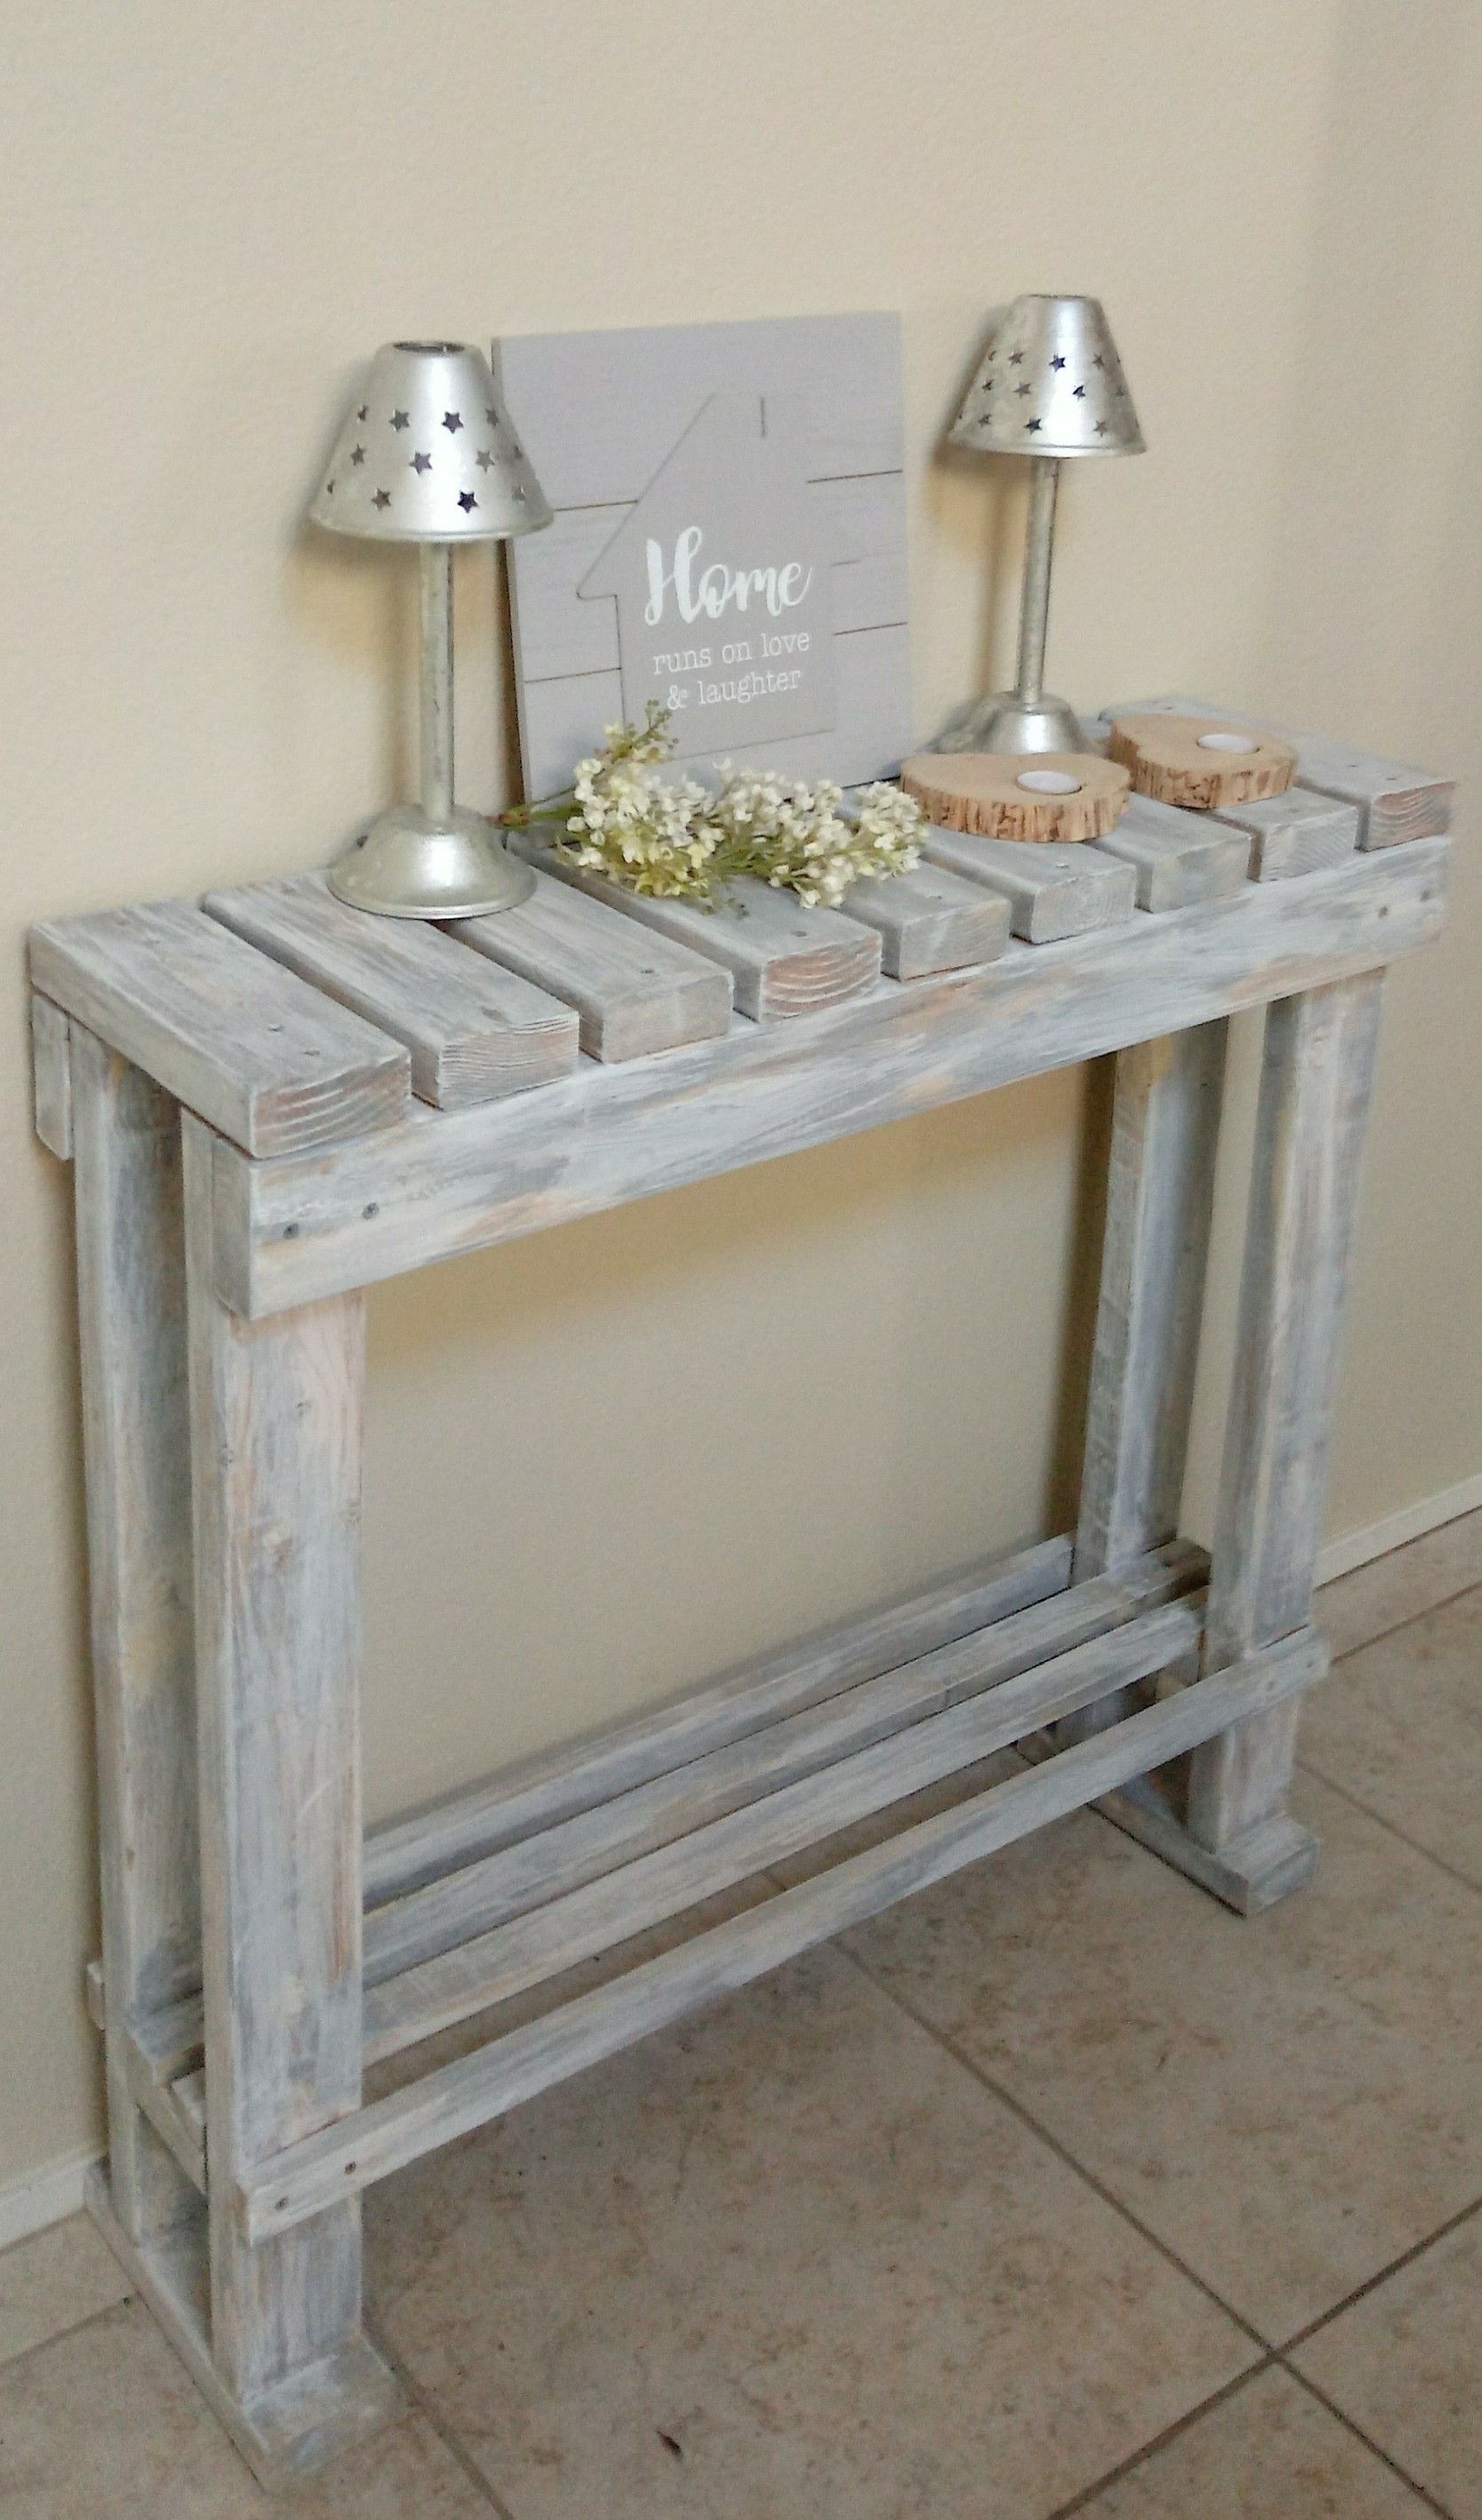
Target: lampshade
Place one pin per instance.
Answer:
(427, 455)
(1050, 384)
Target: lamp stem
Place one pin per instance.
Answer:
(436, 587)
(1034, 604)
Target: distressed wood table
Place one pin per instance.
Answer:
(272, 1102)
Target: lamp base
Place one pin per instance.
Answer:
(1005, 723)
(415, 865)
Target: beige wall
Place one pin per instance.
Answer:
(616, 1458)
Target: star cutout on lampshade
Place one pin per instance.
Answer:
(466, 480)
(1072, 378)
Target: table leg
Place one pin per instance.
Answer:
(276, 1408)
(1164, 1134)
(132, 1337)
(1315, 1082)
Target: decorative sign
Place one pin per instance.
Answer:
(729, 540)
(722, 580)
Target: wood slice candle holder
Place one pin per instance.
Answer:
(1202, 762)
(1019, 796)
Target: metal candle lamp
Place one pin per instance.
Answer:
(429, 456)
(1050, 385)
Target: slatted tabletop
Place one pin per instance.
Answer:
(302, 1031)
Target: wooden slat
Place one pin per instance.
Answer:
(1176, 857)
(52, 1077)
(515, 2067)
(420, 1846)
(1293, 834)
(785, 959)
(494, 1966)
(452, 1182)
(634, 992)
(272, 1063)
(1053, 890)
(578, 1850)
(931, 921)
(473, 1033)
(1395, 801)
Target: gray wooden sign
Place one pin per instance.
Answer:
(729, 540)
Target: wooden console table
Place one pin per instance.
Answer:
(271, 1103)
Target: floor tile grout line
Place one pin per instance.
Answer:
(422, 2403)
(1026, 2118)
(1139, 2457)
(1386, 2459)
(1355, 1802)
(73, 2328)
(1371, 2283)
(1408, 1621)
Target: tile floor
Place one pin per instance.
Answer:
(1058, 2190)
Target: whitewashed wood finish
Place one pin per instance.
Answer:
(271, 1062)
(1315, 1082)
(634, 992)
(671, 1805)
(52, 1077)
(785, 959)
(1053, 889)
(498, 2076)
(289, 1232)
(1395, 801)
(290, 2431)
(649, 385)
(1176, 857)
(136, 1455)
(276, 1445)
(1294, 833)
(1160, 1193)
(460, 1830)
(931, 921)
(473, 1033)
(490, 1968)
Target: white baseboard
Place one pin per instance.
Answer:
(43, 2196)
(1411, 1522)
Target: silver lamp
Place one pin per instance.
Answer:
(1049, 386)
(428, 456)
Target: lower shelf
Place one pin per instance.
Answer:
(763, 1792)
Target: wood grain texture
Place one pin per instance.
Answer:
(1395, 801)
(472, 1033)
(634, 992)
(459, 1830)
(136, 1456)
(269, 1061)
(983, 792)
(1315, 1081)
(447, 1182)
(931, 921)
(1177, 857)
(509, 2069)
(1052, 891)
(581, 1848)
(276, 1449)
(1294, 833)
(1184, 762)
(785, 959)
(1159, 1198)
(51, 1077)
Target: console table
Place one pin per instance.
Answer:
(271, 1102)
